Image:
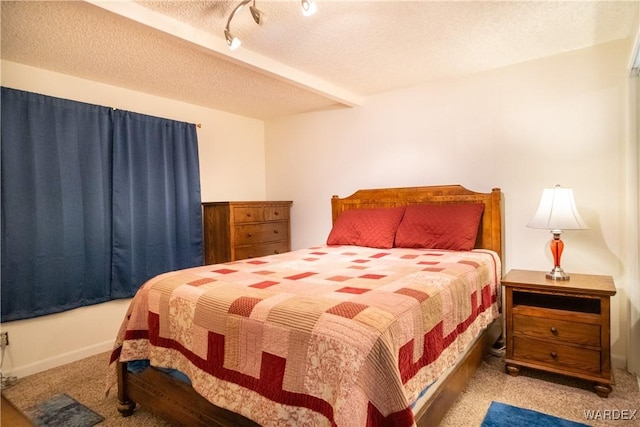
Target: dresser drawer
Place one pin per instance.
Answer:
(250, 234)
(276, 213)
(556, 355)
(261, 250)
(561, 330)
(248, 214)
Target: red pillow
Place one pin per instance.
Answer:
(452, 227)
(374, 228)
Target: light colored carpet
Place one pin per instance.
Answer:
(85, 381)
(552, 394)
(549, 393)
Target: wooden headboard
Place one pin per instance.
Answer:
(490, 230)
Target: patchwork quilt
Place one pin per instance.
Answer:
(326, 336)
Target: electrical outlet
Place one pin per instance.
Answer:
(4, 339)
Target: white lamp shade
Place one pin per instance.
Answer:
(557, 211)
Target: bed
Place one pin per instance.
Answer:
(349, 333)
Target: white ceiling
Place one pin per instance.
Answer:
(291, 64)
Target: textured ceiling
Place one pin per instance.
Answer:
(291, 64)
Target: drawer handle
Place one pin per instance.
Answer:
(276, 213)
(275, 231)
(554, 355)
(248, 215)
(554, 330)
(276, 252)
(249, 235)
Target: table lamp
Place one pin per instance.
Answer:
(557, 212)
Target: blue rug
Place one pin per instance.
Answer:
(503, 415)
(61, 410)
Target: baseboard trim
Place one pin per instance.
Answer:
(61, 359)
(619, 362)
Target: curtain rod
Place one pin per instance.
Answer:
(198, 125)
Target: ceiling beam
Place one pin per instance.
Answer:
(217, 46)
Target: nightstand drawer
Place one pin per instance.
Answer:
(260, 233)
(559, 356)
(561, 330)
(262, 250)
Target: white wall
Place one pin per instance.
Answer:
(557, 120)
(232, 167)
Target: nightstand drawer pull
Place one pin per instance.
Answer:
(554, 330)
(554, 355)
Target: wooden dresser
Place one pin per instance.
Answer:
(560, 326)
(239, 230)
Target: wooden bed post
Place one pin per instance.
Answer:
(496, 221)
(125, 405)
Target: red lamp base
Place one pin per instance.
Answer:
(557, 245)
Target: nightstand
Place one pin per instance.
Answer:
(560, 326)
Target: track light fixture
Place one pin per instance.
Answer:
(256, 13)
(233, 42)
(308, 8)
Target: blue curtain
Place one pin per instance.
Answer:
(93, 202)
(157, 219)
(56, 217)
